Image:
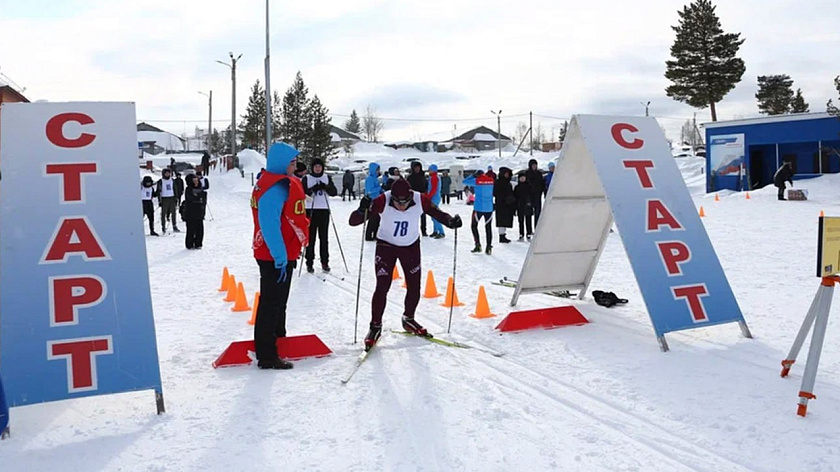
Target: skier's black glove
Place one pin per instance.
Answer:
(456, 222)
(364, 204)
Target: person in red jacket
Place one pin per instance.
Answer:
(281, 230)
(398, 238)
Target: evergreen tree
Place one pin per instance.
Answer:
(563, 129)
(775, 94)
(295, 125)
(253, 121)
(353, 125)
(705, 67)
(216, 142)
(799, 105)
(830, 107)
(276, 117)
(319, 142)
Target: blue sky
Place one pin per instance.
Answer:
(414, 59)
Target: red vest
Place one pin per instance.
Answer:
(294, 225)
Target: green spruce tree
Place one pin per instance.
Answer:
(252, 128)
(276, 117)
(704, 67)
(295, 120)
(775, 94)
(830, 107)
(217, 144)
(798, 104)
(354, 124)
(319, 142)
(563, 129)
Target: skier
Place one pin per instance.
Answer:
(505, 203)
(179, 189)
(522, 193)
(280, 232)
(195, 205)
(417, 179)
(482, 208)
(167, 199)
(372, 190)
(433, 192)
(398, 239)
(784, 174)
(147, 193)
(319, 187)
(535, 181)
(348, 184)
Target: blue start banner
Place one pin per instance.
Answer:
(75, 307)
(679, 274)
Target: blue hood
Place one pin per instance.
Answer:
(433, 168)
(279, 157)
(373, 168)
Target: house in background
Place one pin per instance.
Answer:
(153, 140)
(480, 139)
(343, 138)
(9, 95)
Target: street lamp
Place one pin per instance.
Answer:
(232, 66)
(646, 105)
(499, 130)
(267, 85)
(209, 143)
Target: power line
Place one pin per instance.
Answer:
(420, 120)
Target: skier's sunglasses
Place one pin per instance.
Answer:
(401, 201)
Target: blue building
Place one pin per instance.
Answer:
(745, 154)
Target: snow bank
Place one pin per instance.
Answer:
(251, 161)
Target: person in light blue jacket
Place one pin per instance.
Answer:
(482, 208)
(373, 189)
(433, 192)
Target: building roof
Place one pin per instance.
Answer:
(10, 90)
(768, 119)
(471, 134)
(143, 126)
(343, 133)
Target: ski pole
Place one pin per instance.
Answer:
(454, 266)
(210, 211)
(340, 249)
(359, 280)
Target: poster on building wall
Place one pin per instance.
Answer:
(74, 283)
(726, 154)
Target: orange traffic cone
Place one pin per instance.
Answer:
(254, 312)
(431, 288)
(231, 295)
(241, 303)
(717, 197)
(451, 295)
(396, 274)
(821, 213)
(748, 195)
(702, 213)
(482, 308)
(225, 276)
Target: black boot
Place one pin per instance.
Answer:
(325, 266)
(477, 248)
(413, 327)
(309, 267)
(372, 336)
(275, 364)
(503, 239)
(489, 250)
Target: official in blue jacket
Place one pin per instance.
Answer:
(373, 189)
(482, 208)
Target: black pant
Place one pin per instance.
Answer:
(319, 226)
(195, 234)
(444, 198)
(536, 205)
(347, 190)
(271, 312)
(386, 257)
(168, 211)
(149, 212)
(372, 226)
(488, 227)
(525, 223)
(781, 192)
(423, 224)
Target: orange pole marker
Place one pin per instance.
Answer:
(482, 308)
(748, 195)
(231, 294)
(241, 303)
(702, 213)
(451, 295)
(821, 213)
(225, 276)
(717, 197)
(396, 274)
(253, 319)
(431, 288)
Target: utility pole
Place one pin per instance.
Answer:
(209, 144)
(499, 130)
(646, 105)
(531, 130)
(232, 66)
(267, 85)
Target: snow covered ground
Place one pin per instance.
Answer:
(596, 397)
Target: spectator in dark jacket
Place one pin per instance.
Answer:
(393, 176)
(348, 185)
(195, 203)
(491, 173)
(419, 183)
(784, 174)
(535, 181)
(522, 192)
(445, 187)
(505, 203)
(205, 163)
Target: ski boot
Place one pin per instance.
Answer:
(325, 267)
(503, 239)
(275, 364)
(477, 248)
(309, 267)
(521, 238)
(413, 327)
(372, 336)
(489, 250)
(153, 233)
(175, 228)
